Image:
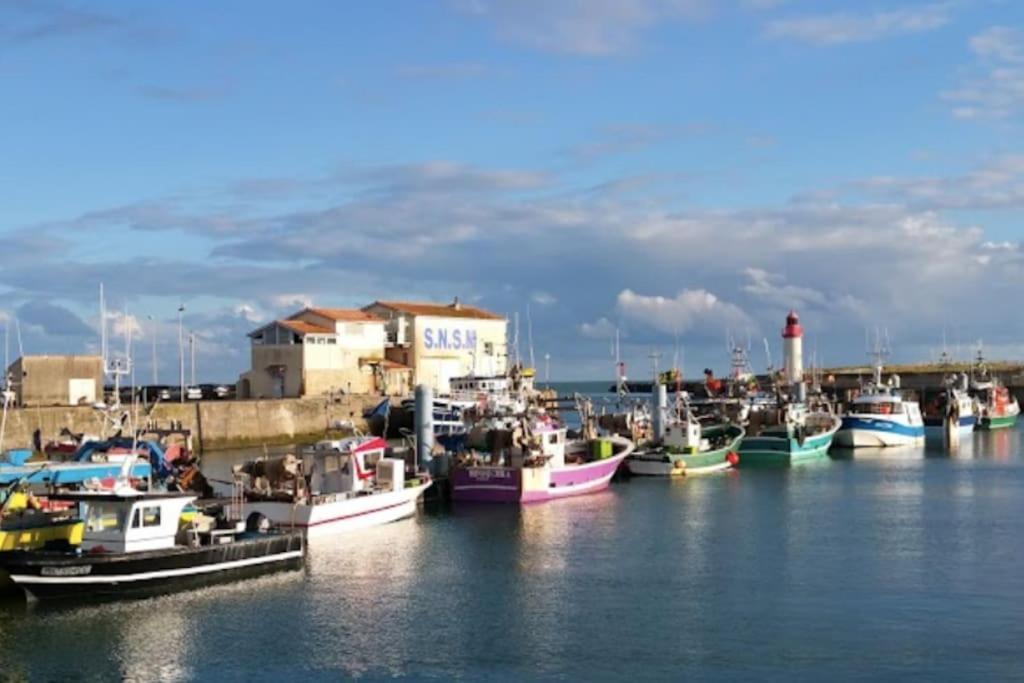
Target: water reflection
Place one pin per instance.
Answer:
(889, 552)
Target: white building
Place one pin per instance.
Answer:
(321, 351)
(441, 341)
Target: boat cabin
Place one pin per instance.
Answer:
(473, 385)
(344, 465)
(685, 434)
(885, 402)
(129, 522)
(551, 440)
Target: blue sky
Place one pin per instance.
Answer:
(690, 167)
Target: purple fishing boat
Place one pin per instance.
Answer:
(552, 468)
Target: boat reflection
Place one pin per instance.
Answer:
(904, 453)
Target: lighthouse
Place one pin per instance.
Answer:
(793, 349)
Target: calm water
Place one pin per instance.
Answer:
(878, 565)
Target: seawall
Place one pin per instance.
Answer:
(214, 424)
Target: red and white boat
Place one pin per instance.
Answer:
(337, 486)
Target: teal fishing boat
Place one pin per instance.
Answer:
(799, 437)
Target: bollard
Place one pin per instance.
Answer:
(424, 423)
(659, 406)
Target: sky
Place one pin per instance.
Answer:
(682, 171)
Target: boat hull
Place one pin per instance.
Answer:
(859, 432)
(343, 515)
(999, 422)
(782, 451)
(662, 463)
(68, 473)
(936, 426)
(65, 576)
(33, 537)
(487, 484)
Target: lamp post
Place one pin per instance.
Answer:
(181, 353)
(155, 369)
(547, 370)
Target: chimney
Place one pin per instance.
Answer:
(456, 304)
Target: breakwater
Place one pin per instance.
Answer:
(214, 424)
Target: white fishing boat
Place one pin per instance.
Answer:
(880, 417)
(339, 486)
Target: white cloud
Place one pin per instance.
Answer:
(994, 86)
(602, 328)
(690, 308)
(580, 27)
(999, 183)
(772, 288)
(291, 300)
(543, 298)
(847, 27)
(250, 312)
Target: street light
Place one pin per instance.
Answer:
(547, 370)
(181, 353)
(155, 371)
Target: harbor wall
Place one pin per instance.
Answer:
(214, 424)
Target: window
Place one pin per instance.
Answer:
(489, 348)
(330, 463)
(150, 516)
(332, 340)
(104, 517)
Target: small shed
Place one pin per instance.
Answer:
(56, 380)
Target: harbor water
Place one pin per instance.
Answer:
(888, 564)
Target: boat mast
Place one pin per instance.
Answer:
(620, 369)
(529, 335)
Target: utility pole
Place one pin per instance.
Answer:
(181, 353)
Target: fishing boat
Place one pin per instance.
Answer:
(880, 416)
(62, 474)
(338, 486)
(792, 435)
(537, 463)
(954, 405)
(28, 522)
(997, 408)
(687, 448)
(133, 544)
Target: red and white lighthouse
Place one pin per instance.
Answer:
(793, 349)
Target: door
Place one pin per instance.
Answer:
(81, 391)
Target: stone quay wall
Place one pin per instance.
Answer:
(214, 424)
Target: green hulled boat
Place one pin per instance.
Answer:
(996, 408)
(688, 448)
(803, 437)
